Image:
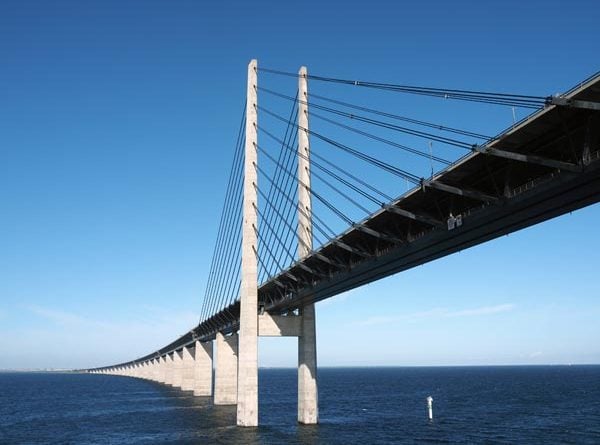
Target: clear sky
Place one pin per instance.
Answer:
(117, 125)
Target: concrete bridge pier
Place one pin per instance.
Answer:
(187, 369)
(226, 370)
(177, 369)
(301, 326)
(156, 369)
(203, 368)
(162, 368)
(308, 401)
(169, 369)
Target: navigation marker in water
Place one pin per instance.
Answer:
(430, 407)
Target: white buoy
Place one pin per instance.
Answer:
(430, 407)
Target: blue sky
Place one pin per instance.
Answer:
(117, 126)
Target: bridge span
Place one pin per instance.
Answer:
(544, 166)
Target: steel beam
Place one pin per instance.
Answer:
(473, 194)
(532, 159)
(574, 103)
(414, 216)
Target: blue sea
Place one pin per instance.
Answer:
(495, 405)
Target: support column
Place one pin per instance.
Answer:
(169, 369)
(203, 368)
(226, 372)
(177, 368)
(247, 392)
(156, 369)
(187, 370)
(162, 369)
(308, 407)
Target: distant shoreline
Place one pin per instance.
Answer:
(75, 371)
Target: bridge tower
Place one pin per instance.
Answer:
(251, 323)
(247, 393)
(308, 410)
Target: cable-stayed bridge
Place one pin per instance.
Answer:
(361, 193)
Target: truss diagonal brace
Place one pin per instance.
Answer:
(473, 194)
(377, 234)
(351, 249)
(532, 159)
(573, 103)
(278, 283)
(416, 217)
(289, 275)
(323, 258)
(310, 270)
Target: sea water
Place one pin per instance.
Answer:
(512, 404)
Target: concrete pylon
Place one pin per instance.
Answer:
(226, 371)
(162, 369)
(169, 368)
(247, 392)
(203, 368)
(187, 371)
(308, 406)
(177, 368)
(149, 369)
(156, 369)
